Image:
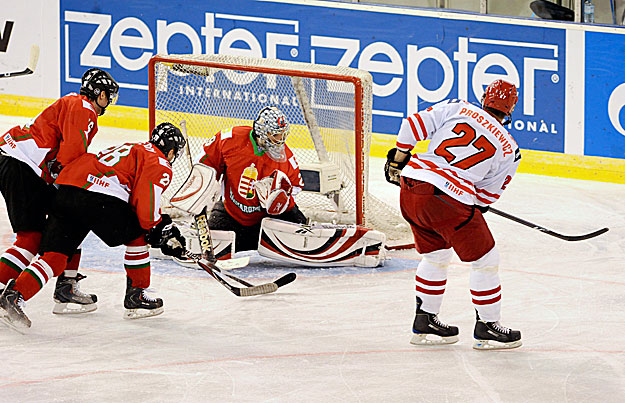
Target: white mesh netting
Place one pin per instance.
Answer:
(215, 92)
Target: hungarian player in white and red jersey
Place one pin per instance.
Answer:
(115, 194)
(470, 160)
(242, 157)
(32, 156)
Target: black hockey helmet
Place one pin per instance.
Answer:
(167, 137)
(94, 81)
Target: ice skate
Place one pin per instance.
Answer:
(68, 297)
(494, 336)
(427, 329)
(11, 301)
(138, 304)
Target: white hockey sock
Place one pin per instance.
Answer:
(486, 286)
(431, 279)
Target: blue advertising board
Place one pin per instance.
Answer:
(605, 95)
(415, 60)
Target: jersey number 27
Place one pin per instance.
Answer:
(485, 149)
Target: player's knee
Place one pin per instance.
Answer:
(138, 242)
(440, 258)
(28, 240)
(489, 262)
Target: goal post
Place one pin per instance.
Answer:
(329, 109)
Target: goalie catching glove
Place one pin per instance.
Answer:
(166, 236)
(392, 168)
(274, 192)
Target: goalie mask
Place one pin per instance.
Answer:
(94, 81)
(501, 96)
(271, 130)
(168, 137)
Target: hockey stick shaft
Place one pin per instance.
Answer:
(208, 257)
(546, 230)
(196, 259)
(32, 64)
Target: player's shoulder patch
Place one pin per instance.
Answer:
(226, 134)
(87, 105)
(164, 162)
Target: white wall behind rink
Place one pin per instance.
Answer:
(35, 22)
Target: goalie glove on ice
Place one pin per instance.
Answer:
(166, 236)
(274, 192)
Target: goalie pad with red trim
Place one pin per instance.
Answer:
(274, 192)
(321, 245)
(201, 189)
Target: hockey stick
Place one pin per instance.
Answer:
(227, 264)
(208, 257)
(30, 68)
(548, 231)
(249, 289)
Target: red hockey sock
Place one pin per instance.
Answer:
(137, 263)
(72, 264)
(18, 256)
(35, 276)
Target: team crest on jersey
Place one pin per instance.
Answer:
(246, 183)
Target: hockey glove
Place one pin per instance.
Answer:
(392, 168)
(166, 236)
(274, 192)
(175, 246)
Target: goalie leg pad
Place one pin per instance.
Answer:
(223, 245)
(199, 190)
(321, 245)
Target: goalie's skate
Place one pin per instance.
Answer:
(427, 329)
(139, 305)
(11, 301)
(494, 336)
(69, 299)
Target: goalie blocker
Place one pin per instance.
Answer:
(321, 245)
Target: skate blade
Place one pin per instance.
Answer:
(142, 313)
(18, 326)
(495, 345)
(427, 339)
(72, 308)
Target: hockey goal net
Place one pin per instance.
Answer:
(329, 110)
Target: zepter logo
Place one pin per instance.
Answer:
(615, 105)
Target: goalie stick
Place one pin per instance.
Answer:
(30, 68)
(250, 289)
(208, 257)
(207, 261)
(548, 231)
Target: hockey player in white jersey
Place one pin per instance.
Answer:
(469, 161)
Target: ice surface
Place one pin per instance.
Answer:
(342, 334)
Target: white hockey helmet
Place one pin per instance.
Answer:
(271, 130)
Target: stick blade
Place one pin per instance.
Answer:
(34, 58)
(582, 237)
(235, 263)
(286, 279)
(266, 288)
